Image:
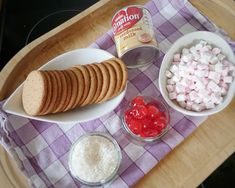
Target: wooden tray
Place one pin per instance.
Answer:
(187, 165)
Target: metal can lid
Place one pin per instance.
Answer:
(140, 56)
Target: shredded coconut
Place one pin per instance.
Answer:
(94, 159)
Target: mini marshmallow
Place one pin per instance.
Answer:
(170, 81)
(170, 88)
(198, 100)
(200, 73)
(180, 97)
(215, 76)
(172, 95)
(223, 92)
(223, 85)
(186, 58)
(179, 88)
(225, 72)
(203, 42)
(176, 57)
(182, 104)
(219, 101)
(202, 67)
(198, 46)
(196, 56)
(199, 85)
(214, 60)
(210, 105)
(213, 86)
(189, 105)
(176, 78)
(168, 74)
(216, 51)
(174, 68)
(193, 95)
(196, 107)
(204, 49)
(221, 57)
(219, 67)
(185, 51)
(228, 79)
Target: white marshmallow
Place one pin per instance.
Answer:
(214, 60)
(210, 105)
(219, 67)
(168, 74)
(228, 79)
(221, 57)
(185, 51)
(215, 76)
(203, 42)
(213, 86)
(196, 107)
(199, 85)
(193, 95)
(180, 97)
(176, 78)
(174, 69)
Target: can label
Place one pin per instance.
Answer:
(132, 27)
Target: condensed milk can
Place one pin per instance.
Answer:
(134, 36)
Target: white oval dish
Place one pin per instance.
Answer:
(187, 41)
(13, 105)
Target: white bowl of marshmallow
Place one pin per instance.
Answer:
(197, 74)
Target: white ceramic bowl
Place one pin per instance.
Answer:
(187, 41)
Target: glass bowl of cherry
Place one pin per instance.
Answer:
(146, 119)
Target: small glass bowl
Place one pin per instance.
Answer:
(137, 139)
(112, 175)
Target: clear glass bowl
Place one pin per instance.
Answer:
(137, 139)
(112, 175)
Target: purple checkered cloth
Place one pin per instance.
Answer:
(41, 148)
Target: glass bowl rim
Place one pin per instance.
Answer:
(147, 139)
(119, 158)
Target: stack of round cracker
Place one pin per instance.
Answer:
(54, 91)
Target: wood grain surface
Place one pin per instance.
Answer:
(188, 164)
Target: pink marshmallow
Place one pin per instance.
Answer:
(216, 51)
(215, 76)
(176, 57)
(172, 95)
(170, 88)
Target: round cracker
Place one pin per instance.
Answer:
(86, 77)
(81, 85)
(105, 85)
(54, 93)
(69, 90)
(119, 76)
(58, 77)
(124, 73)
(64, 93)
(99, 82)
(93, 86)
(74, 88)
(34, 92)
(49, 93)
(112, 82)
